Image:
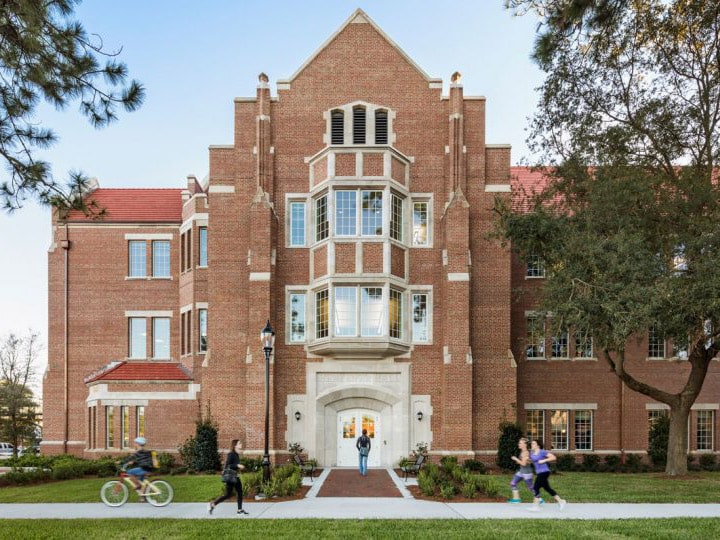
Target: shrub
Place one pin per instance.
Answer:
(166, 461)
(707, 462)
(469, 489)
(426, 483)
(106, 466)
(433, 471)
(565, 462)
(633, 462)
(612, 462)
(591, 462)
(206, 457)
(659, 436)
(447, 490)
(18, 477)
(404, 462)
(510, 434)
(187, 452)
(68, 469)
(251, 464)
(448, 463)
(490, 486)
(475, 466)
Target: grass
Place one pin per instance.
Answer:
(130, 529)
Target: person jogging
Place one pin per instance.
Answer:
(540, 459)
(524, 472)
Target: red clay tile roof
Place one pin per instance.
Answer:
(525, 183)
(140, 371)
(134, 206)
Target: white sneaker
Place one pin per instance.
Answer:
(562, 503)
(210, 508)
(534, 508)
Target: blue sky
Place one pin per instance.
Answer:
(194, 58)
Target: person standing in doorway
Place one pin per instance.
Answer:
(232, 482)
(363, 445)
(540, 459)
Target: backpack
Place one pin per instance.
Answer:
(155, 459)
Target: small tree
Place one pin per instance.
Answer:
(659, 436)
(205, 455)
(510, 434)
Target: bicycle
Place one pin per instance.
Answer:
(116, 492)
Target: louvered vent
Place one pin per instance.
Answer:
(337, 127)
(359, 125)
(381, 127)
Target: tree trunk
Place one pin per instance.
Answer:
(677, 441)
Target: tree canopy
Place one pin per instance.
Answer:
(47, 56)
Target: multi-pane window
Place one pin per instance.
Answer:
(322, 314)
(345, 311)
(186, 251)
(560, 343)
(371, 311)
(583, 344)
(137, 265)
(372, 209)
(535, 425)
(653, 416)
(420, 318)
(656, 343)
(185, 333)
(109, 426)
(420, 223)
(161, 337)
(535, 337)
(358, 125)
(396, 314)
(337, 127)
(161, 258)
(583, 430)
(322, 224)
(297, 224)
(559, 430)
(396, 219)
(140, 421)
(137, 327)
(202, 330)
(345, 213)
(535, 266)
(297, 317)
(124, 426)
(381, 127)
(704, 433)
(370, 315)
(203, 253)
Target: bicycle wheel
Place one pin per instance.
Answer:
(114, 493)
(159, 493)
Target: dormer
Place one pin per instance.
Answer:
(359, 124)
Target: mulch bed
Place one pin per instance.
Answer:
(416, 493)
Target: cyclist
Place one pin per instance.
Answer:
(143, 464)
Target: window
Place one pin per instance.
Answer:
(297, 224)
(372, 310)
(161, 337)
(535, 266)
(109, 427)
(124, 427)
(185, 333)
(583, 344)
(653, 416)
(337, 127)
(203, 255)
(372, 220)
(322, 226)
(137, 266)
(560, 343)
(656, 343)
(420, 319)
(583, 430)
(297, 317)
(358, 125)
(420, 223)
(138, 338)
(559, 430)
(381, 127)
(345, 311)
(704, 433)
(161, 258)
(185, 251)
(345, 213)
(536, 425)
(140, 420)
(396, 219)
(535, 338)
(322, 314)
(396, 314)
(202, 330)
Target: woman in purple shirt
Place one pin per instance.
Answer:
(540, 458)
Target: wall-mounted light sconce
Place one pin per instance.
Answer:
(419, 416)
(297, 415)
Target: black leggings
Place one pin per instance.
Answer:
(541, 481)
(237, 486)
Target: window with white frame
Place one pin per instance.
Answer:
(161, 337)
(420, 223)
(420, 318)
(535, 347)
(345, 213)
(109, 426)
(322, 223)
(297, 317)
(347, 216)
(653, 416)
(559, 429)
(137, 254)
(535, 266)
(297, 224)
(202, 330)
(535, 425)
(322, 314)
(124, 426)
(161, 258)
(656, 343)
(704, 434)
(140, 421)
(396, 219)
(583, 344)
(203, 254)
(396, 314)
(583, 429)
(345, 311)
(371, 311)
(372, 213)
(560, 343)
(137, 329)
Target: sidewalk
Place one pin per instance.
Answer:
(404, 507)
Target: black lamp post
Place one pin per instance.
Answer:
(267, 338)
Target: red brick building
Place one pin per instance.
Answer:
(351, 210)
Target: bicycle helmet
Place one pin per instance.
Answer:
(141, 441)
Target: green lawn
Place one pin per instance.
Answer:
(696, 487)
(108, 529)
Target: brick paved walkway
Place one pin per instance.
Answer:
(349, 483)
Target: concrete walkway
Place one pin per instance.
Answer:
(404, 507)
